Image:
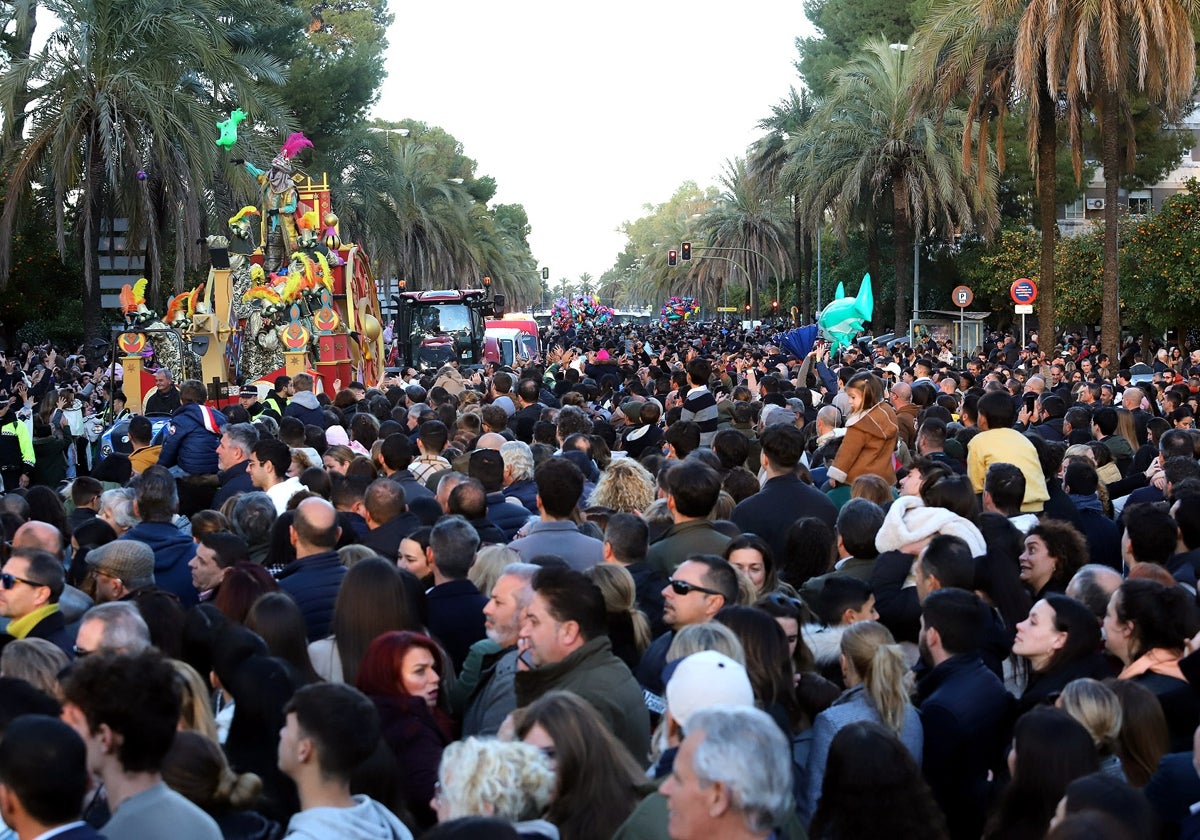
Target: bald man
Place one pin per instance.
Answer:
(490, 440)
(906, 413)
(43, 535)
(313, 578)
(73, 603)
(1131, 398)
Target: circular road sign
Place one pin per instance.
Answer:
(1023, 291)
(962, 296)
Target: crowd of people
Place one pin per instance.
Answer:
(667, 581)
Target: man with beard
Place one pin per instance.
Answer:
(490, 697)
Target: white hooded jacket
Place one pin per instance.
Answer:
(366, 820)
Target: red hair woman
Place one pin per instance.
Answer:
(402, 674)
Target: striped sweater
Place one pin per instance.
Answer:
(700, 407)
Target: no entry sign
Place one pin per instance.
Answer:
(1023, 291)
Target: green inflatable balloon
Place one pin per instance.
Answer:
(842, 319)
(229, 129)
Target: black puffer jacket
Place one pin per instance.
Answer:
(313, 583)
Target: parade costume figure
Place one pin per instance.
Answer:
(280, 200)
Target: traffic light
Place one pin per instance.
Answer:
(747, 307)
(487, 281)
(685, 250)
(672, 257)
(775, 305)
(545, 273)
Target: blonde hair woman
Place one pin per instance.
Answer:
(510, 780)
(625, 487)
(1098, 709)
(37, 661)
(628, 627)
(195, 712)
(711, 635)
(874, 669)
(489, 564)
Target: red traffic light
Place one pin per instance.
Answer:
(747, 307)
(672, 257)
(686, 250)
(774, 304)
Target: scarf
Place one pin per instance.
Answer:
(19, 628)
(1088, 501)
(1157, 661)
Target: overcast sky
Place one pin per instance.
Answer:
(585, 113)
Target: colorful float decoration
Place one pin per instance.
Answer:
(283, 253)
(678, 309)
(581, 310)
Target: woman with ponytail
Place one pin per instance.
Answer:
(874, 670)
(196, 768)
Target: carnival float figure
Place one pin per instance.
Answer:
(281, 200)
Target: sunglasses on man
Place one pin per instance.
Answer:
(8, 581)
(682, 587)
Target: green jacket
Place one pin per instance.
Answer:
(683, 539)
(599, 677)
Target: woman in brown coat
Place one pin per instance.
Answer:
(871, 430)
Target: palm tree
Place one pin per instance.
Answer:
(123, 86)
(1097, 53)
(871, 139)
(768, 157)
(428, 226)
(585, 284)
(749, 225)
(970, 48)
(16, 41)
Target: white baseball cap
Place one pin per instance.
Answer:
(706, 679)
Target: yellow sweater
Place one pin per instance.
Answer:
(1008, 446)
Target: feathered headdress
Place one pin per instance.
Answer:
(324, 275)
(248, 210)
(295, 143)
(177, 306)
(134, 296)
(264, 293)
(307, 221)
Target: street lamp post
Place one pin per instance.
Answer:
(400, 132)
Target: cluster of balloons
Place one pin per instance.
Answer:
(581, 309)
(678, 309)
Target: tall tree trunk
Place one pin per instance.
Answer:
(902, 234)
(802, 245)
(875, 268)
(1047, 150)
(92, 215)
(804, 281)
(1110, 320)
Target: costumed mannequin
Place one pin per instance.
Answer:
(280, 200)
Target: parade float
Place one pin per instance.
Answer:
(678, 309)
(284, 294)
